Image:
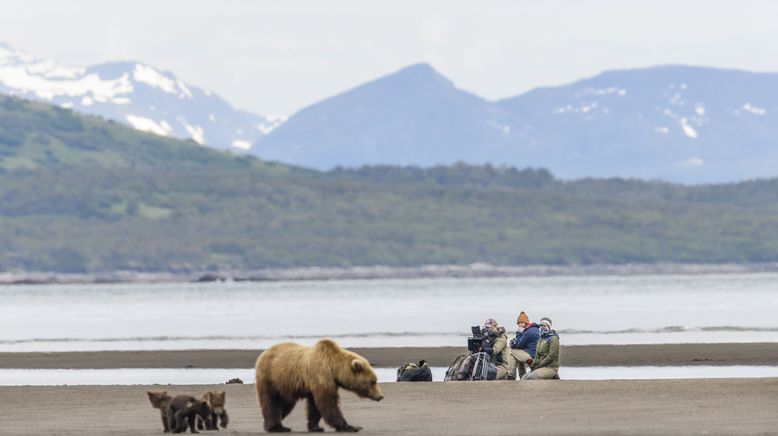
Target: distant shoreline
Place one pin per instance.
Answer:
(380, 272)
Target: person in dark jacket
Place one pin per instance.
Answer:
(523, 346)
(545, 364)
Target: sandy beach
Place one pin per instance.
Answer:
(663, 407)
(583, 355)
(722, 406)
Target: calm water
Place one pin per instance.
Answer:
(165, 376)
(427, 312)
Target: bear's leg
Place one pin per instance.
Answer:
(165, 425)
(224, 419)
(272, 406)
(287, 408)
(313, 415)
(328, 407)
(171, 419)
(181, 424)
(214, 420)
(200, 423)
(192, 418)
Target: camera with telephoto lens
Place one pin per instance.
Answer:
(475, 342)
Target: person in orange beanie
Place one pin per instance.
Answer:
(523, 346)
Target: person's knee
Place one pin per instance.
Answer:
(540, 374)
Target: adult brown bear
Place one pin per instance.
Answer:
(289, 372)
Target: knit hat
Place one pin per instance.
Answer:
(546, 321)
(523, 318)
(490, 322)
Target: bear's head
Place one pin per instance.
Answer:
(216, 399)
(361, 379)
(352, 371)
(158, 399)
(202, 408)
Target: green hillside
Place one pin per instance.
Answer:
(36, 136)
(79, 194)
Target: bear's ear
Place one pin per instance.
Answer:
(357, 366)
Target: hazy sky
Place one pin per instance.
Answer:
(275, 57)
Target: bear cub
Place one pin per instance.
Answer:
(215, 400)
(159, 400)
(183, 410)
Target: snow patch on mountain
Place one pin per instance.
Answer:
(692, 162)
(241, 145)
(756, 110)
(687, 129)
(22, 83)
(52, 70)
(152, 77)
(583, 107)
(272, 122)
(148, 125)
(195, 132)
(611, 90)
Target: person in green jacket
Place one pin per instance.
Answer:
(496, 345)
(545, 365)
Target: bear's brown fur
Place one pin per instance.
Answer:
(159, 400)
(289, 372)
(216, 400)
(182, 410)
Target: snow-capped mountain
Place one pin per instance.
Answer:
(135, 94)
(679, 123)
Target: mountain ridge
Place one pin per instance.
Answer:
(673, 122)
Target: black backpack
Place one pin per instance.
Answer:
(414, 372)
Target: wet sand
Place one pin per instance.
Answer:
(584, 355)
(722, 406)
(660, 407)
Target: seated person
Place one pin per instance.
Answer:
(523, 346)
(545, 364)
(496, 345)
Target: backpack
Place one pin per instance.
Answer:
(412, 372)
(469, 367)
(483, 368)
(459, 368)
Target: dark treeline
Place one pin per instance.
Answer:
(78, 194)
